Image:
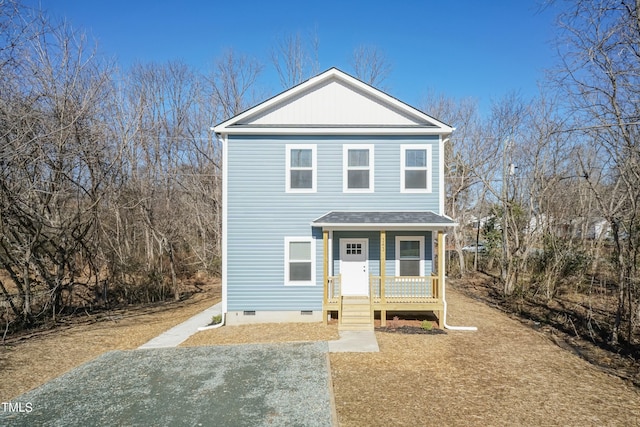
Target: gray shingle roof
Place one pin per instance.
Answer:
(391, 218)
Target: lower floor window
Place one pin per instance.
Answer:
(409, 252)
(299, 261)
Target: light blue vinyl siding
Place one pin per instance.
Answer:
(260, 214)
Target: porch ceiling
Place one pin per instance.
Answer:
(383, 220)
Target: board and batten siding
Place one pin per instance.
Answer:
(337, 103)
(260, 213)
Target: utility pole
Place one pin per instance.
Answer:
(504, 218)
(508, 169)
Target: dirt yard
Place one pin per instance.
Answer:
(504, 374)
(29, 362)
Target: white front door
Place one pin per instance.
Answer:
(354, 266)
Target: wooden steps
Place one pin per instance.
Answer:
(355, 314)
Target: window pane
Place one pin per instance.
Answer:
(301, 179)
(299, 271)
(358, 179)
(409, 267)
(416, 158)
(301, 158)
(358, 158)
(415, 179)
(299, 251)
(409, 249)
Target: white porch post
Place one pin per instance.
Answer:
(325, 274)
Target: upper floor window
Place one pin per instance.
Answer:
(358, 168)
(301, 168)
(415, 174)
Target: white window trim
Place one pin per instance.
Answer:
(400, 239)
(314, 167)
(428, 168)
(288, 282)
(345, 168)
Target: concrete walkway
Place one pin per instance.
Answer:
(355, 342)
(349, 341)
(179, 333)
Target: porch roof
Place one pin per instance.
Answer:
(383, 220)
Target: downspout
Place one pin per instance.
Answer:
(444, 315)
(217, 325)
(444, 320)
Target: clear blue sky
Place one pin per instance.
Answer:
(466, 48)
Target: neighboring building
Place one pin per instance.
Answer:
(333, 201)
(574, 228)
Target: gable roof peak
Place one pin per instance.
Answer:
(332, 102)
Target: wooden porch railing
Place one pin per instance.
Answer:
(397, 293)
(405, 293)
(334, 289)
(404, 289)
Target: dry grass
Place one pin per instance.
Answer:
(504, 374)
(26, 364)
(266, 333)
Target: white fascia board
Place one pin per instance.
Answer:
(333, 131)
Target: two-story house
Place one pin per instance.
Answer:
(333, 204)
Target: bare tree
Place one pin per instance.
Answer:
(371, 65)
(295, 59)
(600, 75)
(53, 164)
(233, 82)
(465, 157)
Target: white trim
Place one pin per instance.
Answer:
(428, 168)
(409, 238)
(305, 239)
(432, 126)
(342, 247)
(346, 168)
(441, 173)
(434, 265)
(314, 167)
(370, 131)
(330, 254)
(225, 217)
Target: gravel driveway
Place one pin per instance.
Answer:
(236, 385)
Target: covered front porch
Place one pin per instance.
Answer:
(379, 262)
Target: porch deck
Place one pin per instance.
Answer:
(389, 293)
(394, 293)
